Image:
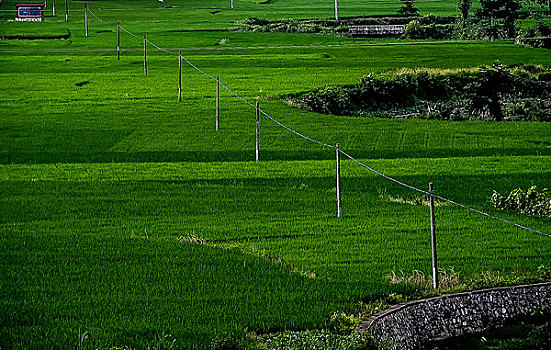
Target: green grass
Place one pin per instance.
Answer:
(131, 290)
(99, 182)
(104, 120)
(75, 234)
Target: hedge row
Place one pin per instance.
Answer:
(482, 93)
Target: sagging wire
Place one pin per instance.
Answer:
(127, 32)
(403, 184)
(99, 19)
(440, 197)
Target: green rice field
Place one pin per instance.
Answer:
(128, 221)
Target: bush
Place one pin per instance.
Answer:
(481, 29)
(530, 202)
(237, 340)
(413, 30)
(429, 27)
(545, 76)
(342, 323)
(458, 95)
(544, 273)
(536, 111)
(408, 8)
(318, 340)
(438, 31)
(536, 36)
(540, 337)
(330, 100)
(254, 21)
(431, 19)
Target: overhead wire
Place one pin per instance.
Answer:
(403, 184)
(127, 32)
(161, 49)
(294, 131)
(99, 19)
(201, 71)
(440, 197)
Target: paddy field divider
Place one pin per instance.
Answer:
(339, 152)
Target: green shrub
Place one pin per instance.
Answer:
(545, 76)
(237, 340)
(544, 272)
(530, 202)
(408, 8)
(438, 31)
(537, 112)
(536, 36)
(431, 19)
(342, 323)
(413, 30)
(330, 100)
(540, 336)
(459, 95)
(430, 27)
(474, 30)
(294, 26)
(254, 21)
(318, 340)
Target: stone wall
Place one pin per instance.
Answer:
(406, 326)
(377, 30)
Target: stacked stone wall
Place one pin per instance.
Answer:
(406, 326)
(377, 30)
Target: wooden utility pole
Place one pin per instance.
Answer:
(217, 102)
(179, 76)
(257, 130)
(86, 17)
(433, 239)
(339, 208)
(118, 40)
(144, 55)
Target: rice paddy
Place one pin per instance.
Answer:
(126, 219)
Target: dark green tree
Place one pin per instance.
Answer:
(542, 3)
(463, 6)
(506, 10)
(408, 8)
(484, 93)
(533, 4)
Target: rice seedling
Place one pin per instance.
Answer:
(126, 220)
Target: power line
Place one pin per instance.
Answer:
(99, 19)
(132, 34)
(440, 197)
(406, 185)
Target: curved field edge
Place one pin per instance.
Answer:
(83, 232)
(96, 109)
(131, 291)
(103, 248)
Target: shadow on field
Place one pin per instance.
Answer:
(127, 199)
(87, 156)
